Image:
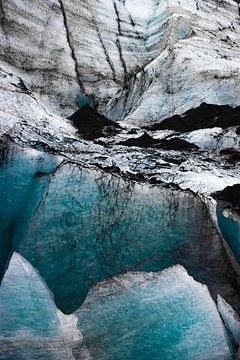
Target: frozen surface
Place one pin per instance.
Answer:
(53, 175)
(81, 225)
(141, 60)
(160, 316)
(31, 326)
(31, 124)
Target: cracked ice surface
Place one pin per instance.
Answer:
(32, 125)
(164, 315)
(31, 326)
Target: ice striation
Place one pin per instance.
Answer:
(164, 315)
(64, 182)
(140, 61)
(31, 325)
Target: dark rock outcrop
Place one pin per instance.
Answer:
(176, 144)
(92, 125)
(205, 116)
(231, 195)
(146, 140)
(233, 155)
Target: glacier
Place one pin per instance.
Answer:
(230, 228)
(227, 213)
(164, 315)
(138, 61)
(82, 211)
(81, 225)
(119, 169)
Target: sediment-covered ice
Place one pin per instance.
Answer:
(161, 316)
(140, 60)
(31, 124)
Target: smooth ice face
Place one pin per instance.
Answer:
(230, 228)
(21, 175)
(78, 225)
(159, 316)
(30, 322)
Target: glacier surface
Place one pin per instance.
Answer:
(140, 61)
(162, 316)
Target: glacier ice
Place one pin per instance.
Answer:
(230, 318)
(31, 326)
(16, 186)
(19, 179)
(82, 225)
(230, 228)
(166, 315)
(34, 125)
(227, 211)
(140, 60)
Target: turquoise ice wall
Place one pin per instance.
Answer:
(230, 229)
(78, 225)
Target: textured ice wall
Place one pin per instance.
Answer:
(34, 43)
(142, 316)
(140, 60)
(78, 225)
(195, 51)
(20, 178)
(31, 326)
